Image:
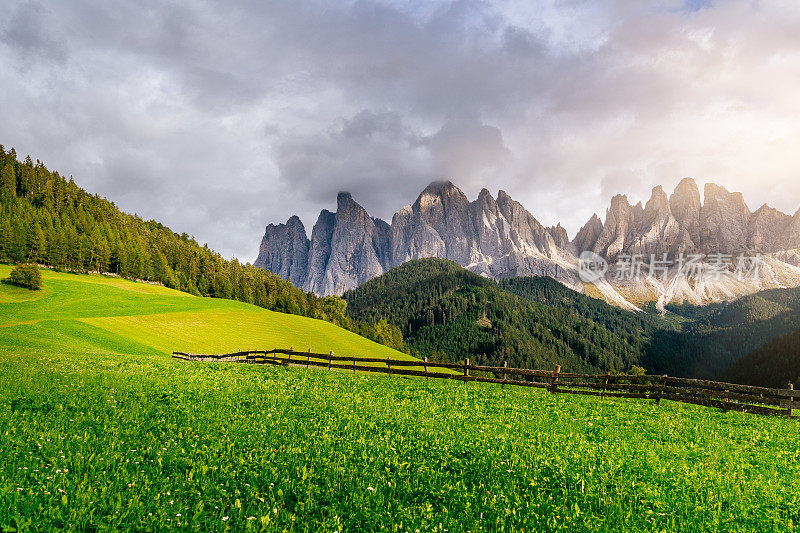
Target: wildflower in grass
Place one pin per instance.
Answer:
(225, 518)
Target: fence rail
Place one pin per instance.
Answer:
(726, 396)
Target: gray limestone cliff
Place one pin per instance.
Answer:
(498, 237)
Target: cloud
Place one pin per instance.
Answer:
(384, 160)
(218, 118)
(25, 33)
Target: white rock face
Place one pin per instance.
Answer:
(500, 238)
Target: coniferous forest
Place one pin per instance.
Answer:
(46, 218)
(449, 313)
(446, 312)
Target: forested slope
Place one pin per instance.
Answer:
(48, 219)
(446, 311)
(773, 365)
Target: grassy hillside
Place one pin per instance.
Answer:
(47, 219)
(93, 314)
(137, 443)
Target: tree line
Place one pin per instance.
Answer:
(48, 219)
(445, 311)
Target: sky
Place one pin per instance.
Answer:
(217, 118)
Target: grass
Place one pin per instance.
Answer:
(126, 443)
(93, 314)
(101, 431)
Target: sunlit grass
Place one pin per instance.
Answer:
(124, 443)
(100, 314)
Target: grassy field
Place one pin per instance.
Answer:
(101, 431)
(130, 443)
(93, 314)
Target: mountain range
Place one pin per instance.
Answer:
(499, 238)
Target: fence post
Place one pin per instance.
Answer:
(354, 364)
(554, 381)
(605, 384)
(791, 399)
(389, 365)
(426, 369)
(289, 360)
(661, 389)
(505, 365)
(466, 368)
(308, 359)
(330, 361)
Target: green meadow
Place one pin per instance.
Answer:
(100, 430)
(93, 314)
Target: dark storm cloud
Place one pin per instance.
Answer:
(217, 118)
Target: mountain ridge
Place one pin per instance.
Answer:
(499, 238)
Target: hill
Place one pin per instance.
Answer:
(716, 336)
(48, 219)
(773, 365)
(90, 314)
(444, 310)
(689, 341)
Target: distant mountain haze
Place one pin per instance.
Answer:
(499, 238)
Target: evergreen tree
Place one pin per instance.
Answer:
(38, 244)
(8, 183)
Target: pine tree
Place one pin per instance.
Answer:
(6, 240)
(38, 244)
(8, 183)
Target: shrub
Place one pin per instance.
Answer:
(26, 275)
(637, 370)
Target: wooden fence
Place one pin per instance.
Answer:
(726, 396)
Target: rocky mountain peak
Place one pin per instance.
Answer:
(658, 200)
(617, 228)
(686, 193)
(284, 250)
(619, 203)
(685, 206)
(717, 196)
(440, 190)
(500, 238)
(503, 196)
(295, 223)
(769, 229)
(587, 236)
(351, 212)
(559, 235)
(724, 220)
(344, 201)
